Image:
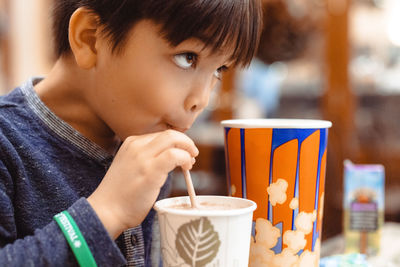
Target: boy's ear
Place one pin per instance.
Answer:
(83, 34)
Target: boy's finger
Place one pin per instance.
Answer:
(172, 139)
(143, 139)
(172, 158)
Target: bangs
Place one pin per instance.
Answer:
(227, 25)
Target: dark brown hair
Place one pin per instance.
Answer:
(230, 24)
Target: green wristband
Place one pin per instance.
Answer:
(75, 239)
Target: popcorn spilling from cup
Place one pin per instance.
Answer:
(267, 235)
(304, 221)
(294, 240)
(294, 203)
(277, 192)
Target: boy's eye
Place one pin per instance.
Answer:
(219, 71)
(185, 60)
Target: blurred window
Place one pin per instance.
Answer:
(375, 38)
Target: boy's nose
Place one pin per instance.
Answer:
(198, 99)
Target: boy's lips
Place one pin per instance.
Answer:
(179, 129)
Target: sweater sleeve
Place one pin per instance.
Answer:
(48, 246)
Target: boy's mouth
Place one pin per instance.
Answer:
(179, 129)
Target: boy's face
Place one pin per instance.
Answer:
(152, 86)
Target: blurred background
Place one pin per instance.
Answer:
(319, 59)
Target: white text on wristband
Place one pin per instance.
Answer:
(75, 239)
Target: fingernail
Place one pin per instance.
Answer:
(193, 160)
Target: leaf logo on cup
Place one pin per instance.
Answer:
(197, 242)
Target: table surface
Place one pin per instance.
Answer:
(389, 255)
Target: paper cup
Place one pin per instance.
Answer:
(216, 236)
(280, 164)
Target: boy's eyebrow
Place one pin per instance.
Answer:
(228, 61)
(198, 44)
(199, 47)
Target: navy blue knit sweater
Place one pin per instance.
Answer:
(46, 167)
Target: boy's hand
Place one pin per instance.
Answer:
(134, 179)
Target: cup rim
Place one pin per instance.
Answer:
(277, 123)
(250, 207)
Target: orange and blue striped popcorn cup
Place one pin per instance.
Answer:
(280, 164)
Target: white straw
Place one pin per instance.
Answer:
(190, 188)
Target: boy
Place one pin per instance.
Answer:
(97, 137)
